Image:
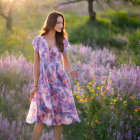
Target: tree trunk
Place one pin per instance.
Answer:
(9, 22)
(91, 12)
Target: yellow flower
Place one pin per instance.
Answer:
(109, 69)
(91, 90)
(103, 93)
(98, 87)
(78, 96)
(136, 110)
(96, 94)
(115, 100)
(90, 98)
(85, 100)
(132, 97)
(93, 79)
(111, 103)
(118, 94)
(90, 83)
(78, 88)
(124, 102)
(96, 121)
(77, 83)
(94, 82)
(81, 100)
(78, 91)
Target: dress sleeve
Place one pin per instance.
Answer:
(36, 43)
(66, 45)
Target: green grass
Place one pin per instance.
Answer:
(103, 32)
(83, 31)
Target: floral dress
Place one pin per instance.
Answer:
(53, 102)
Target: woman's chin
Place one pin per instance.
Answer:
(58, 31)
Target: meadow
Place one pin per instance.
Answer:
(107, 52)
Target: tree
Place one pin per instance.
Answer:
(91, 11)
(6, 10)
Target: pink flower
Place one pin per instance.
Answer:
(109, 83)
(112, 107)
(120, 99)
(91, 65)
(107, 88)
(82, 95)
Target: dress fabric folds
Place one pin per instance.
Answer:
(53, 102)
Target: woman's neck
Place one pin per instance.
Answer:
(50, 35)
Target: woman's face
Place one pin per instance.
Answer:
(59, 24)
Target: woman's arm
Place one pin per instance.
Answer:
(66, 63)
(36, 67)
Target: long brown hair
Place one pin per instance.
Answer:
(49, 24)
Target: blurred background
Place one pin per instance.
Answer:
(105, 33)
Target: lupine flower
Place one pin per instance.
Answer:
(121, 99)
(124, 79)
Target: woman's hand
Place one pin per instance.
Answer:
(73, 74)
(32, 92)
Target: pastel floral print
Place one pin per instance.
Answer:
(53, 102)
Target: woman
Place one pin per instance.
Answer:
(52, 101)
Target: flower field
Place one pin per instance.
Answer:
(107, 95)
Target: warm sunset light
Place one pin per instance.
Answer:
(69, 61)
(7, 0)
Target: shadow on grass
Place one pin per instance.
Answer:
(98, 33)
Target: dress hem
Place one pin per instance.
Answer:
(31, 122)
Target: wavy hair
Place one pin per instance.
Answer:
(49, 24)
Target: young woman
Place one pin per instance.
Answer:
(52, 101)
